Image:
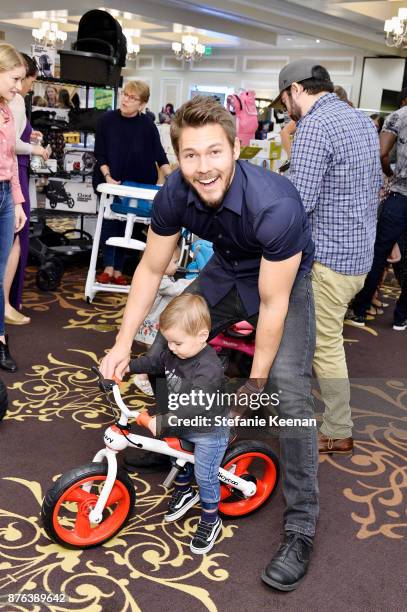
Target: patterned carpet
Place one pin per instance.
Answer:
(55, 422)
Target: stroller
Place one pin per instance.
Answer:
(99, 52)
(52, 250)
(56, 193)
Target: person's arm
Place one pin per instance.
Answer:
(148, 364)
(143, 290)
(105, 170)
(159, 153)
(165, 169)
(276, 280)
(17, 107)
(311, 155)
(174, 288)
(285, 135)
(19, 215)
(102, 151)
(387, 141)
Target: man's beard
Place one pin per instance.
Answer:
(212, 203)
(295, 111)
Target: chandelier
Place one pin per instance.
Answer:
(133, 49)
(49, 34)
(396, 29)
(190, 49)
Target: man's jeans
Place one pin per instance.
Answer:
(290, 375)
(391, 226)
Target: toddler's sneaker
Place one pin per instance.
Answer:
(205, 536)
(400, 326)
(180, 502)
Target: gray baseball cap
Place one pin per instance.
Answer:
(294, 72)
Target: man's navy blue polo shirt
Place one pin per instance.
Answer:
(261, 216)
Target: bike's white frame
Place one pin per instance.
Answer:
(116, 441)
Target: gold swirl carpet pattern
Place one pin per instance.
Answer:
(55, 422)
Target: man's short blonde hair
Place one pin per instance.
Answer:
(200, 111)
(138, 88)
(188, 312)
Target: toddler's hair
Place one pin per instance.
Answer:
(187, 311)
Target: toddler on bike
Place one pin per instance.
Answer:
(168, 289)
(192, 370)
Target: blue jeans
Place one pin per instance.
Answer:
(291, 376)
(209, 451)
(391, 227)
(6, 239)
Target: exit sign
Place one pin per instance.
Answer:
(208, 50)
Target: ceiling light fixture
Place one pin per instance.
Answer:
(190, 49)
(396, 29)
(49, 34)
(133, 49)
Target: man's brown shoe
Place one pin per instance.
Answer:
(339, 446)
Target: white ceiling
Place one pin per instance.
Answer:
(228, 23)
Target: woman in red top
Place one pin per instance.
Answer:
(12, 216)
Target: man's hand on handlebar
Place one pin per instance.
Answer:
(115, 363)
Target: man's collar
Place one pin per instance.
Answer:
(318, 103)
(233, 199)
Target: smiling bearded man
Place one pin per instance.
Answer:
(260, 271)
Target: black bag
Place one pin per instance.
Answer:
(84, 119)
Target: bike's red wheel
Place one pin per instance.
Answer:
(254, 461)
(66, 507)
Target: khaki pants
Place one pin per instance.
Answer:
(332, 294)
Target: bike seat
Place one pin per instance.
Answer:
(180, 445)
(242, 333)
(187, 446)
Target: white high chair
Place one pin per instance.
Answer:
(108, 192)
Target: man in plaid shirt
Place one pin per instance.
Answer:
(335, 165)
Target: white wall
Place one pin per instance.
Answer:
(171, 81)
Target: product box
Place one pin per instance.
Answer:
(270, 149)
(79, 160)
(248, 152)
(72, 137)
(70, 195)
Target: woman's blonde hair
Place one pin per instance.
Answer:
(10, 58)
(139, 88)
(189, 312)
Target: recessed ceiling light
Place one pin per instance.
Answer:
(317, 40)
(288, 38)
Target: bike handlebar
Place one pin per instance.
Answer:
(105, 385)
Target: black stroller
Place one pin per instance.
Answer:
(51, 250)
(99, 53)
(56, 193)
